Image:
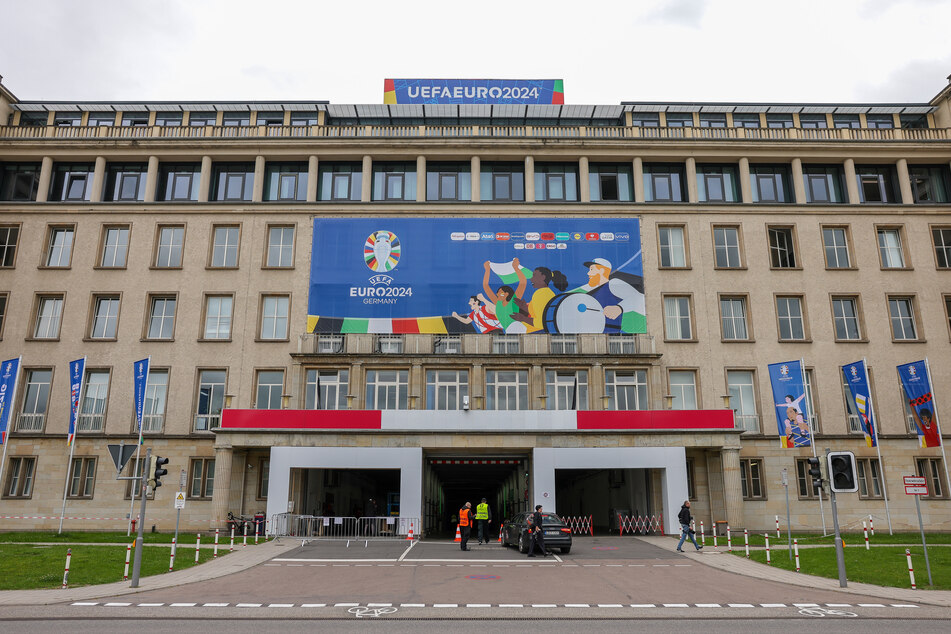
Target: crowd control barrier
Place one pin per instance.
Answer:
(580, 525)
(640, 524)
(326, 527)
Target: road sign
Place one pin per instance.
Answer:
(916, 485)
(180, 500)
(121, 454)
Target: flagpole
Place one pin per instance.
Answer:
(812, 440)
(138, 447)
(944, 458)
(878, 445)
(6, 432)
(69, 465)
(71, 438)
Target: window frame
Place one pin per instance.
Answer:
(222, 175)
(945, 247)
(11, 474)
(11, 174)
(203, 336)
(267, 247)
(168, 181)
(4, 310)
(258, 374)
(435, 385)
(803, 316)
(847, 246)
(675, 175)
(104, 244)
(104, 412)
(834, 180)
(913, 314)
(93, 318)
(262, 299)
(886, 180)
(150, 300)
(64, 175)
(207, 468)
(803, 477)
(314, 391)
(24, 394)
(150, 398)
(521, 386)
(639, 388)
(775, 250)
(899, 230)
(264, 478)
(685, 246)
(691, 320)
(227, 246)
(856, 300)
(697, 395)
(747, 317)
(865, 471)
(935, 477)
(116, 174)
(211, 415)
(10, 228)
(38, 300)
(553, 389)
(740, 248)
(86, 481)
(742, 417)
(372, 393)
(779, 175)
(157, 247)
(274, 174)
(747, 479)
(51, 232)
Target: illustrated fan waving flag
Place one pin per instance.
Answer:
(917, 386)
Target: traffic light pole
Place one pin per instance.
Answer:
(137, 566)
(839, 553)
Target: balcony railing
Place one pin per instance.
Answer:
(555, 344)
(207, 422)
(855, 424)
(152, 423)
(631, 344)
(90, 422)
(30, 422)
(748, 423)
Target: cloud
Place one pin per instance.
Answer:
(687, 13)
(914, 82)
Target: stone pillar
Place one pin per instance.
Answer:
(851, 184)
(476, 177)
(420, 179)
(746, 193)
(732, 490)
(692, 196)
(638, 180)
(151, 179)
(529, 179)
(366, 191)
(98, 177)
(204, 185)
(257, 190)
(221, 495)
(904, 183)
(584, 181)
(46, 175)
(799, 185)
(312, 176)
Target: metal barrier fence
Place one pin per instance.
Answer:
(640, 524)
(316, 527)
(580, 525)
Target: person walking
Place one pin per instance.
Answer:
(465, 525)
(685, 518)
(484, 517)
(537, 534)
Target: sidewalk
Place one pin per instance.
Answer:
(240, 559)
(748, 568)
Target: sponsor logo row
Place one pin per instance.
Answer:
(564, 236)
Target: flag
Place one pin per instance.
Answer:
(917, 387)
(77, 371)
(856, 377)
(9, 372)
(140, 379)
(789, 403)
(505, 271)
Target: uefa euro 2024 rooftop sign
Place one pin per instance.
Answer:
(473, 91)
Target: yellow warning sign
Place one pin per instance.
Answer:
(180, 500)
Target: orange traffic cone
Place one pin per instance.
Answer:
(409, 535)
(458, 538)
(500, 534)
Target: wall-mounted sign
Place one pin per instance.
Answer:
(481, 91)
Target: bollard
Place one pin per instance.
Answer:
(69, 555)
(245, 536)
(171, 560)
(256, 531)
(216, 545)
(871, 525)
(197, 546)
(703, 536)
(715, 536)
(746, 540)
(232, 539)
(267, 529)
(865, 530)
(729, 539)
(128, 556)
(777, 527)
(911, 571)
(768, 560)
(795, 544)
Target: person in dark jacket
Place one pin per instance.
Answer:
(684, 518)
(537, 534)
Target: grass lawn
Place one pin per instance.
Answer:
(886, 566)
(26, 567)
(119, 537)
(852, 538)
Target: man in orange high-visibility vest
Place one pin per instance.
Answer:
(465, 524)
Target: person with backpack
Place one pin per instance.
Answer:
(684, 518)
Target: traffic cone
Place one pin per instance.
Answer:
(458, 538)
(409, 535)
(500, 534)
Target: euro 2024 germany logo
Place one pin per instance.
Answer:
(381, 251)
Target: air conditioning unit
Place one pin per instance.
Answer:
(465, 403)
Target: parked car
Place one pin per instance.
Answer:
(557, 533)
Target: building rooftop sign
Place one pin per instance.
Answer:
(474, 91)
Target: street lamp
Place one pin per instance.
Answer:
(350, 398)
(413, 399)
(285, 401)
(726, 400)
(668, 401)
(605, 401)
(229, 398)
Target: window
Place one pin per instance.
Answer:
(233, 181)
(101, 119)
(726, 247)
(836, 245)
(502, 182)
(49, 314)
(3, 310)
(770, 184)
(447, 389)
(9, 235)
(389, 344)
(854, 420)
(806, 490)
(270, 118)
(268, 389)
(506, 389)
(691, 479)
(742, 391)
(236, 118)
(211, 398)
(280, 247)
(168, 119)
(125, 182)
(274, 312)
(394, 181)
(712, 120)
(447, 344)
(115, 247)
(448, 181)
(218, 317)
(947, 310)
(201, 478)
(733, 319)
(161, 323)
(264, 473)
(913, 121)
(156, 397)
(92, 411)
(19, 181)
(224, 248)
(931, 469)
(34, 119)
(178, 182)
(789, 314)
(679, 119)
(811, 401)
(870, 478)
(901, 312)
(201, 119)
(942, 246)
(823, 183)
(326, 389)
(673, 251)
(677, 319)
(877, 184)
(330, 344)
(20, 477)
(929, 183)
(566, 389)
(782, 252)
(611, 182)
(285, 181)
(663, 182)
(845, 317)
(683, 387)
(752, 481)
(82, 477)
(645, 119)
(36, 398)
(558, 182)
(135, 468)
(626, 389)
(813, 121)
(717, 183)
(890, 249)
(340, 181)
(563, 344)
(779, 121)
(169, 247)
(506, 344)
(746, 120)
(387, 389)
(135, 119)
(59, 249)
(71, 182)
(304, 118)
(67, 119)
(846, 121)
(105, 317)
(880, 121)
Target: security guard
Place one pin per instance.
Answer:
(465, 525)
(483, 517)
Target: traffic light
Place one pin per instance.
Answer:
(156, 471)
(842, 475)
(816, 472)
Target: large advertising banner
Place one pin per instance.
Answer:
(789, 399)
(856, 377)
(77, 372)
(476, 275)
(914, 380)
(478, 91)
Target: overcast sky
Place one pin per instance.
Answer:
(606, 52)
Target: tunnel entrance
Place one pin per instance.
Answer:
(603, 494)
(451, 481)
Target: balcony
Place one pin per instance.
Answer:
(152, 423)
(90, 422)
(748, 423)
(207, 422)
(30, 422)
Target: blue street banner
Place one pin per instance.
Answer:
(790, 404)
(140, 378)
(474, 91)
(915, 380)
(77, 370)
(476, 275)
(856, 377)
(9, 371)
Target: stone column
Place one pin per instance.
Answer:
(529, 179)
(204, 185)
(746, 193)
(584, 181)
(476, 177)
(98, 177)
(851, 185)
(257, 191)
(366, 191)
(221, 495)
(638, 179)
(799, 185)
(904, 183)
(312, 176)
(151, 179)
(692, 196)
(732, 490)
(46, 175)
(420, 179)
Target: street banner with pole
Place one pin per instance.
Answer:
(9, 374)
(790, 406)
(917, 385)
(140, 379)
(77, 374)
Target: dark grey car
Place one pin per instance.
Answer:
(557, 533)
